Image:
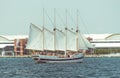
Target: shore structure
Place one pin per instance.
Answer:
(13, 45)
(7, 44)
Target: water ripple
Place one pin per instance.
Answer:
(90, 68)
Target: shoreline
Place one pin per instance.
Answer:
(25, 56)
(102, 55)
(86, 56)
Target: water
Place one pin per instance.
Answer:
(90, 68)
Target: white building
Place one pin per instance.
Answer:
(7, 43)
(106, 42)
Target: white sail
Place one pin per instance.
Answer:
(60, 40)
(48, 40)
(83, 43)
(89, 45)
(71, 41)
(35, 41)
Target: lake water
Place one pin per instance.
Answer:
(90, 68)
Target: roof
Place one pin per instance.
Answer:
(4, 45)
(12, 37)
(106, 45)
(98, 36)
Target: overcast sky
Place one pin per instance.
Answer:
(95, 16)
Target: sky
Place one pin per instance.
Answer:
(94, 16)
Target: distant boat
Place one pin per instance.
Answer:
(57, 46)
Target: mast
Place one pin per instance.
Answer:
(54, 29)
(77, 33)
(66, 35)
(43, 28)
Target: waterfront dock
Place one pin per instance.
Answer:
(25, 56)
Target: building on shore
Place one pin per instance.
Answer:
(10, 47)
(14, 45)
(106, 43)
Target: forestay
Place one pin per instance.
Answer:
(83, 43)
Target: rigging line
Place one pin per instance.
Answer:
(83, 23)
(60, 30)
(71, 31)
(48, 30)
(60, 18)
(72, 18)
(36, 27)
(49, 18)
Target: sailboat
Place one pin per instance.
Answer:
(57, 46)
